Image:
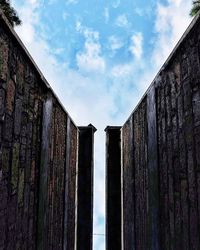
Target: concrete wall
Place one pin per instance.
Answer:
(113, 188)
(85, 188)
(38, 156)
(160, 156)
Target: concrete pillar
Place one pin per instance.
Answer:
(153, 211)
(43, 188)
(113, 188)
(85, 188)
(66, 183)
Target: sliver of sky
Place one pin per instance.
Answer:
(100, 56)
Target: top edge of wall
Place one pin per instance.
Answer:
(181, 40)
(112, 128)
(43, 79)
(89, 127)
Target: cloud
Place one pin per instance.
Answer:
(90, 59)
(30, 17)
(177, 3)
(121, 70)
(114, 43)
(71, 2)
(51, 2)
(144, 12)
(139, 11)
(88, 33)
(136, 45)
(170, 23)
(33, 2)
(106, 14)
(122, 21)
(65, 15)
(116, 3)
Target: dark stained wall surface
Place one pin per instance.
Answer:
(178, 107)
(160, 156)
(113, 188)
(85, 188)
(21, 105)
(38, 155)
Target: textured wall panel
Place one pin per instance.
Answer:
(178, 137)
(113, 188)
(161, 180)
(38, 155)
(85, 188)
(128, 187)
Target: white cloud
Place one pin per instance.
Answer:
(136, 45)
(171, 21)
(30, 18)
(106, 14)
(51, 2)
(71, 2)
(116, 3)
(121, 70)
(122, 21)
(90, 59)
(33, 2)
(139, 11)
(58, 51)
(144, 12)
(175, 2)
(115, 43)
(89, 34)
(65, 15)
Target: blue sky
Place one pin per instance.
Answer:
(99, 57)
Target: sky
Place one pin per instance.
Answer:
(100, 56)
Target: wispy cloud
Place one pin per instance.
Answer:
(144, 12)
(30, 16)
(121, 70)
(65, 15)
(171, 21)
(122, 21)
(115, 43)
(116, 3)
(71, 2)
(90, 59)
(33, 2)
(136, 45)
(106, 14)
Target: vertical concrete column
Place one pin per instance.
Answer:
(113, 188)
(85, 188)
(66, 183)
(128, 185)
(153, 214)
(43, 188)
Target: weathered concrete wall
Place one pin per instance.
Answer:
(178, 121)
(139, 178)
(160, 156)
(85, 188)
(38, 155)
(113, 188)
